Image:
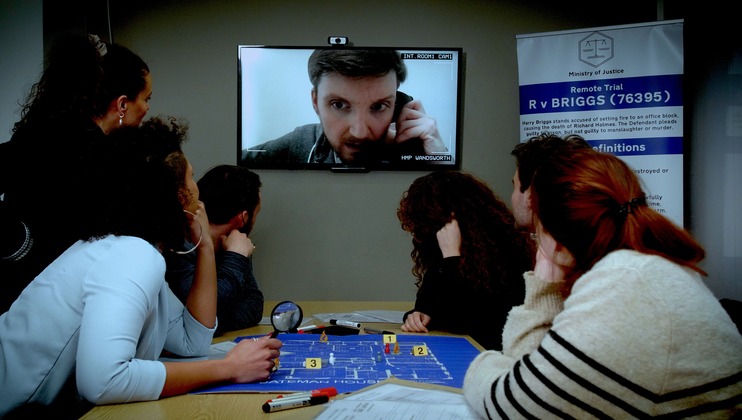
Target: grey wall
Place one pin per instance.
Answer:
(323, 235)
(715, 170)
(21, 55)
(335, 236)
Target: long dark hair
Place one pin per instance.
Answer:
(592, 203)
(79, 83)
(492, 250)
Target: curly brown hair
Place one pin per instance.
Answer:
(139, 184)
(492, 249)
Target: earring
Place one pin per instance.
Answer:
(200, 236)
(121, 118)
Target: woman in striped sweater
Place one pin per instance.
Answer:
(616, 321)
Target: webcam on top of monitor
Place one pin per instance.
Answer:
(337, 40)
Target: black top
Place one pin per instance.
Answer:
(459, 308)
(46, 175)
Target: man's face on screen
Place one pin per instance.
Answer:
(355, 113)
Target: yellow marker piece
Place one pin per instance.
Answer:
(396, 348)
(420, 350)
(323, 338)
(313, 363)
(390, 338)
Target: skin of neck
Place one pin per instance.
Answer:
(217, 231)
(220, 230)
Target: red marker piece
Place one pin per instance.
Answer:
(329, 391)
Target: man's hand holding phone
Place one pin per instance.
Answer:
(414, 123)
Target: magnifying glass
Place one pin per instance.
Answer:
(286, 317)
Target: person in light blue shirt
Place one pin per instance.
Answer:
(90, 328)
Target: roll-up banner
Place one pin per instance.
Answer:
(619, 87)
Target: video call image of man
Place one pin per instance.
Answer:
(364, 120)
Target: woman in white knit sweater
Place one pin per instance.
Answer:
(616, 322)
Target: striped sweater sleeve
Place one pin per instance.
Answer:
(523, 332)
(528, 323)
(624, 346)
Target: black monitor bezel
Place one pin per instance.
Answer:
(402, 166)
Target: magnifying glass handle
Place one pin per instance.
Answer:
(274, 334)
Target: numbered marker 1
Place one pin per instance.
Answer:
(420, 350)
(390, 338)
(313, 363)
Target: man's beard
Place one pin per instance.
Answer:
(246, 228)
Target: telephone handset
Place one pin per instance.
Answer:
(391, 152)
(402, 99)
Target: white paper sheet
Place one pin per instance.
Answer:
(375, 315)
(397, 402)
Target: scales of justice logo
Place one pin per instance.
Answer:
(596, 49)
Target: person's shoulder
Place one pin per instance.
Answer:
(121, 251)
(292, 146)
(124, 243)
(131, 260)
(628, 271)
(9, 151)
(627, 258)
(56, 143)
(298, 138)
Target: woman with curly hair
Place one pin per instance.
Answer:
(91, 327)
(468, 255)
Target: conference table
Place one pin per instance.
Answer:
(248, 405)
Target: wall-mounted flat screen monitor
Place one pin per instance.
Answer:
(349, 108)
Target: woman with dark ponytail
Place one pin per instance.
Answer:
(87, 90)
(616, 321)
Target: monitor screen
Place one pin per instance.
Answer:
(349, 108)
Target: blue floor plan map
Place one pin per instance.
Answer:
(349, 363)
